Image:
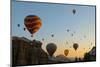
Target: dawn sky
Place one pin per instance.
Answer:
(57, 19)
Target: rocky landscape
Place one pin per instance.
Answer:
(27, 52)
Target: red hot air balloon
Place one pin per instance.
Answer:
(32, 23)
(75, 46)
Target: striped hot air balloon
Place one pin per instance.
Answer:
(32, 23)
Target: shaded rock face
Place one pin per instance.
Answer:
(91, 55)
(25, 52)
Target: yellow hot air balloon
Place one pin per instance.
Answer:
(66, 51)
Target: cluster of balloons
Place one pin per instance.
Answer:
(51, 48)
(75, 46)
(33, 23)
(72, 34)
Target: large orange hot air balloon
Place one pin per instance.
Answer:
(32, 23)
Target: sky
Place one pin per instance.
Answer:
(57, 19)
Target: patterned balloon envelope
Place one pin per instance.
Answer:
(32, 23)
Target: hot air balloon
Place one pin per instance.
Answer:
(52, 35)
(72, 34)
(18, 25)
(68, 30)
(74, 11)
(42, 39)
(75, 46)
(24, 29)
(66, 51)
(51, 48)
(32, 23)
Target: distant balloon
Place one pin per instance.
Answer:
(68, 30)
(72, 34)
(52, 35)
(18, 25)
(42, 39)
(66, 51)
(32, 23)
(74, 11)
(24, 29)
(75, 46)
(51, 48)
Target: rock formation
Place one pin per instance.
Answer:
(27, 52)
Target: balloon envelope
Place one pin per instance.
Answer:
(74, 11)
(52, 35)
(75, 46)
(66, 51)
(24, 29)
(51, 48)
(72, 34)
(42, 39)
(32, 23)
(18, 25)
(67, 30)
